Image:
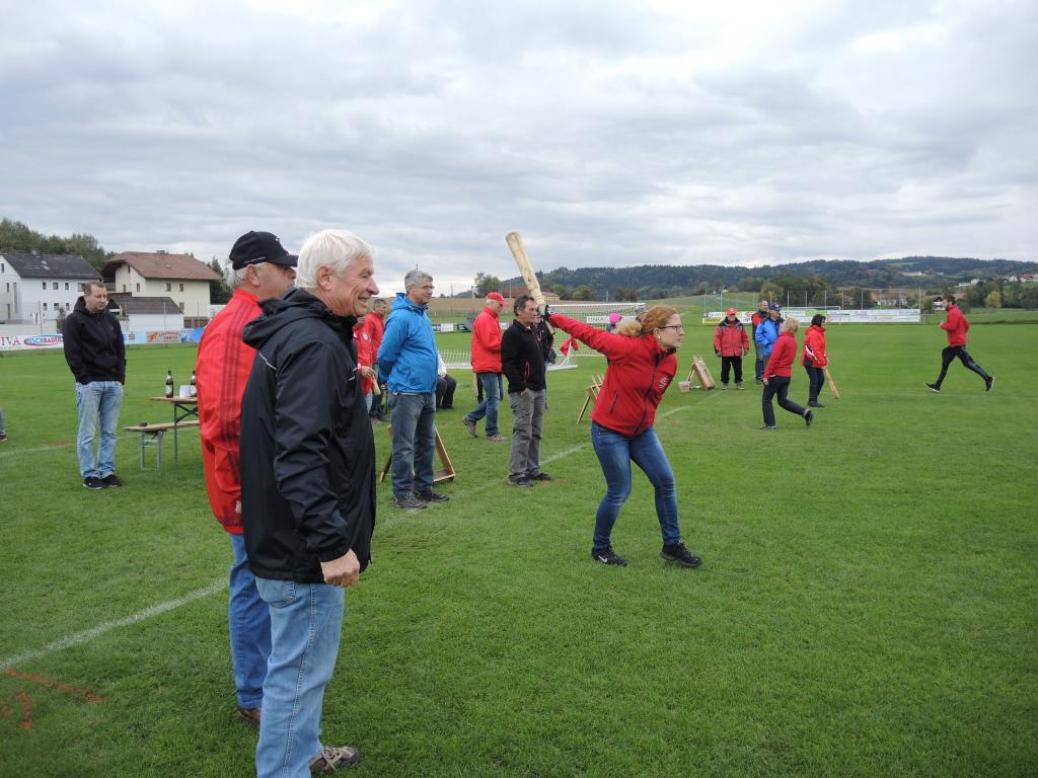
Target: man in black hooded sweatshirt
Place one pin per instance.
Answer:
(96, 356)
(307, 489)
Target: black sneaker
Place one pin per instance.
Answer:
(431, 496)
(608, 557)
(934, 388)
(815, 404)
(112, 480)
(94, 483)
(809, 417)
(678, 553)
(541, 476)
(988, 383)
(520, 482)
(409, 503)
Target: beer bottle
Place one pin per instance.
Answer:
(169, 383)
(194, 390)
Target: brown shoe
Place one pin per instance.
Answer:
(250, 716)
(333, 758)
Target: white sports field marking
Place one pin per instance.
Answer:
(79, 638)
(86, 636)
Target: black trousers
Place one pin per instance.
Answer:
(815, 378)
(731, 362)
(445, 386)
(949, 355)
(777, 385)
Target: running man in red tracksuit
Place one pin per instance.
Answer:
(262, 269)
(777, 375)
(956, 325)
(731, 345)
(641, 367)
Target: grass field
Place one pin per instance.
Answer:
(868, 604)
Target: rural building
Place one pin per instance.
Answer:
(39, 288)
(146, 314)
(179, 277)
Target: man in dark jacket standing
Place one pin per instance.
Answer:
(308, 490)
(522, 361)
(96, 356)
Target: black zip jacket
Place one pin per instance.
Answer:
(307, 453)
(522, 360)
(94, 347)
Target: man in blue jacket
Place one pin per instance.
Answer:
(768, 331)
(407, 360)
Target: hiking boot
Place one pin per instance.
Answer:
(409, 503)
(520, 482)
(3, 438)
(934, 388)
(541, 476)
(809, 417)
(497, 438)
(250, 716)
(334, 758)
(724, 387)
(608, 557)
(112, 480)
(90, 482)
(678, 553)
(431, 496)
(738, 385)
(470, 426)
(988, 383)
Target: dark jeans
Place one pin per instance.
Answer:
(731, 362)
(761, 359)
(949, 355)
(615, 454)
(445, 386)
(815, 379)
(413, 417)
(778, 385)
(490, 393)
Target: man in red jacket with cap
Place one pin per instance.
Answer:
(486, 364)
(261, 269)
(956, 326)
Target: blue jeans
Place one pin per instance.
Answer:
(305, 625)
(413, 417)
(248, 620)
(615, 454)
(97, 403)
(491, 383)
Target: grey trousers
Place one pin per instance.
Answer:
(524, 461)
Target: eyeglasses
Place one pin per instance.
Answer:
(673, 327)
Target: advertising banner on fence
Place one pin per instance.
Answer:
(51, 340)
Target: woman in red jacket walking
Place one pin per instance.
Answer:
(777, 376)
(814, 359)
(641, 367)
(956, 325)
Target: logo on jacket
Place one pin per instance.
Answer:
(664, 382)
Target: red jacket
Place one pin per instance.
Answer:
(730, 339)
(956, 326)
(375, 327)
(781, 361)
(638, 374)
(486, 342)
(366, 351)
(221, 372)
(814, 347)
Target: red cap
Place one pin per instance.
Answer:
(731, 312)
(496, 297)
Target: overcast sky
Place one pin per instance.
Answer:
(607, 133)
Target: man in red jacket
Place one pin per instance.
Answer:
(731, 345)
(956, 326)
(261, 269)
(486, 364)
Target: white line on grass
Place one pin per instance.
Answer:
(87, 635)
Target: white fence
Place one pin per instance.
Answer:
(836, 315)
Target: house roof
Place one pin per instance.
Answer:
(130, 304)
(180, 267)
(30, 265)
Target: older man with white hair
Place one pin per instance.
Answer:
(408, 360)
(308, 490)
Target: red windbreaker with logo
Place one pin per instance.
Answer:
(956, 326)
(221, 372)
(639, 373)
(814, 344)
(486, 342)
(365, 353)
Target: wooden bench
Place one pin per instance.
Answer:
(152, 434)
